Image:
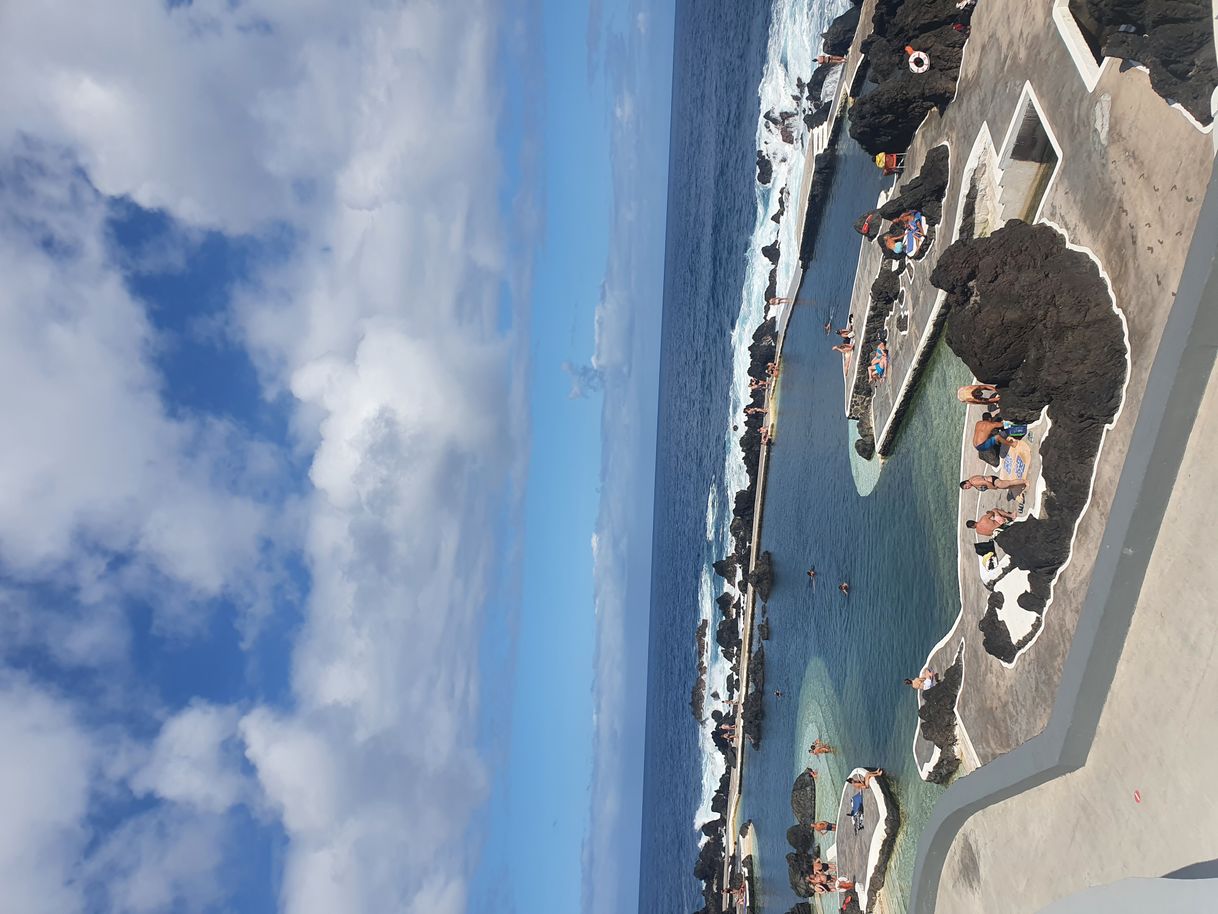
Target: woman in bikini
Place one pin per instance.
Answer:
(986, 483)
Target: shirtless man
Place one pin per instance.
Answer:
(990, 522)
(843, 348)
(988, 434)
(986, 483)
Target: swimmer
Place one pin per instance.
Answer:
(844, 588)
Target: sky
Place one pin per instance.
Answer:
(329, 360)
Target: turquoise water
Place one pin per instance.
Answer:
(840, 660)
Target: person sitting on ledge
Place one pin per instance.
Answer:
(865, 781)
(823, 59)
(986, 483)
(988, 433)
(979, 394)
(894, 243)
(927, 680)
(879, 363)
(990, 522)
(772, 369)
(819, 748)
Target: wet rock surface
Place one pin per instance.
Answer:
(803, 799)
(886, 118)
(1173, 39)
(938, 719)
(1035, 318)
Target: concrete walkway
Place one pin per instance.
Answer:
(1143, 804)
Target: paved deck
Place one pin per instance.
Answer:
(855, 849)
(1132, 175)
(1156, 736)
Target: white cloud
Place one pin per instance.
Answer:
(167, 859)
(102, 469)
(195, 760)
(46, 764)
(370, 131)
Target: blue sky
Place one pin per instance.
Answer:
(328, 354)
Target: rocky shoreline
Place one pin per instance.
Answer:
(885, 119)
(937, 720)
(923, 193)
(1069, 357)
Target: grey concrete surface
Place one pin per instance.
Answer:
(1014, 800)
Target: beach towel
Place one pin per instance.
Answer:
(915, 235)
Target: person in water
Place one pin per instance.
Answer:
(822, 827)
(990, 522)
(844, 588)
(986, 483)
(812, 574)
(979, 394)
(819, 748)
(927, 680)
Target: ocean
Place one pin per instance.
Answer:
(838, 661)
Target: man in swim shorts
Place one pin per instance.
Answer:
(988, 433)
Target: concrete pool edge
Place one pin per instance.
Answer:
(1182, 363)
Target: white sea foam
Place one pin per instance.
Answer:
(794, 42)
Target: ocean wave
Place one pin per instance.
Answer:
(794, 41)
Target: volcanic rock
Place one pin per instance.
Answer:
(1032, 316)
